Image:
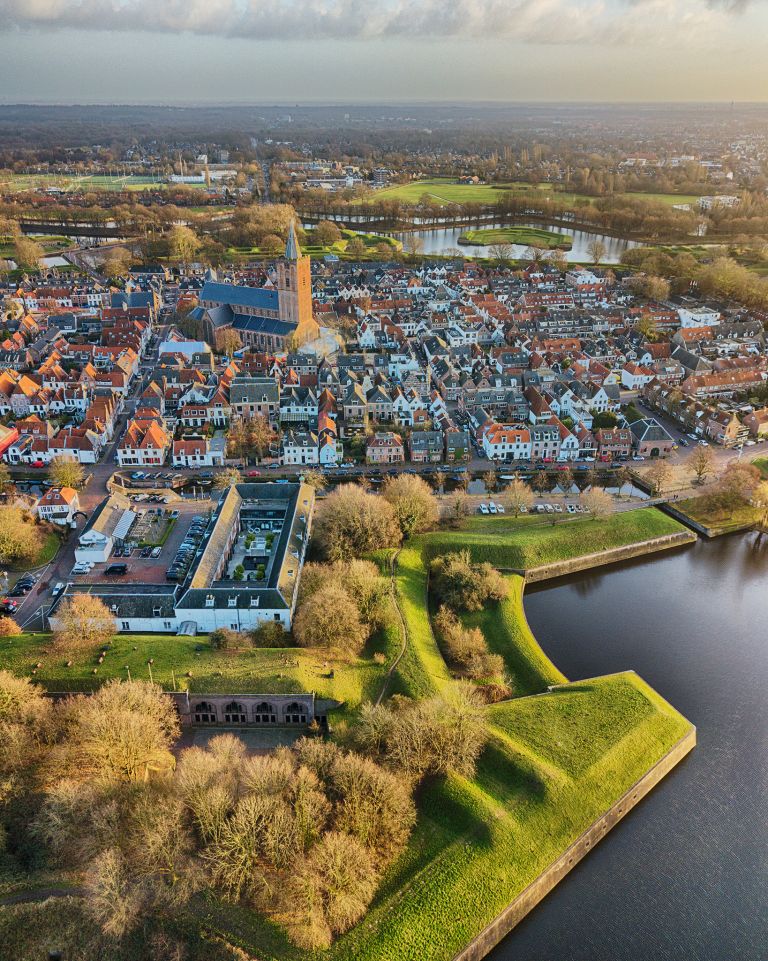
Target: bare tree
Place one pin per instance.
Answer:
(413, 502)
(597, 251)
(519, 496)
(701, 463)
(83, 622)
(597, 503)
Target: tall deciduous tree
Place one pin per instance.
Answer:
(20, 539)
(519, 496)
(65, 471)
(83, 622)
(701, 463)
(351, 522)
(413, 502)
(597, 503)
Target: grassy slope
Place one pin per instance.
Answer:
(516, 235)
(507, 633)
(522, 543)
(479, 843)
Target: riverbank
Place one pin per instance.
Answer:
(613, 555)
(709, 522)
(527, 900)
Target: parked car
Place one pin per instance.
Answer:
(116, 570)
(683, 442)
(156, 551)
(492, 507)
(500, 509)
(484, 509)
(57, 589)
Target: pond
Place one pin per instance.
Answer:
(445, 240)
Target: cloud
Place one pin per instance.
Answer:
(530, 21)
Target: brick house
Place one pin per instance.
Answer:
(385, 447)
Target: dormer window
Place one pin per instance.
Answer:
(232, 601)
(209, 600)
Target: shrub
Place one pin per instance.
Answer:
(463, 585)
(223, 639)
(269, 634)
(9, 627)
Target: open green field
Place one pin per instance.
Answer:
(251, 669)
(517, 235)
(669, 199)
(526, 542)
(446, 190)
(10, 183)
(761, 463)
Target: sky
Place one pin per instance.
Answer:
(252, 51)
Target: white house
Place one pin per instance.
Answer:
(58, 505)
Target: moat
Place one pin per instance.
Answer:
(684, 875)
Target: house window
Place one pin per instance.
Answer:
(125, 625)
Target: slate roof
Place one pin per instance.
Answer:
(236, 295)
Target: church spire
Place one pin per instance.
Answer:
(292, 249)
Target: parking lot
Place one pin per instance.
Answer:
(149, 569)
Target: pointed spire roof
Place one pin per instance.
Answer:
(292, 249)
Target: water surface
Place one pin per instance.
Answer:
(684, 877)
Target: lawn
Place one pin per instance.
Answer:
(271, 670)
(532, 236)
(526, 542)
(554, 764)
(445, 190)
(72, 183)
(761, 463)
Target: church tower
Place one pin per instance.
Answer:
(294, 285)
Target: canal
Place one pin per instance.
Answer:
(685, 876)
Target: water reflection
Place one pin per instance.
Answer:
(445, 240)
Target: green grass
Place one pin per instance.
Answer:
(669, 199)
(71, 183)
(517, 235)
(250, 670)
(526, 542)
(717, 519)
(554, 764)
(427, 671)
(761, 463)
(507, 633)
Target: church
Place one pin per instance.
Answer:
(270, 319)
